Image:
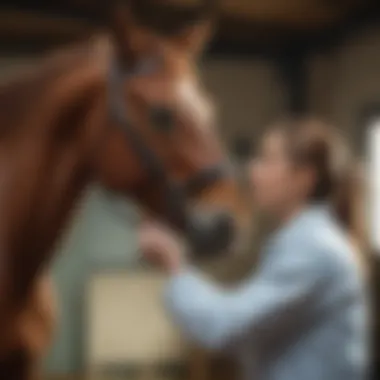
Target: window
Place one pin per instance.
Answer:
(373, 151)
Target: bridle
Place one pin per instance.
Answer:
(175, 193)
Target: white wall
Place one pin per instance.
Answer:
(102, 238)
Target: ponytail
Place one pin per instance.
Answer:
(348, 206)
(347, 202)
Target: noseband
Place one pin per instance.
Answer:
(176, 193)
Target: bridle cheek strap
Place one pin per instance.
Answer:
(176, 193)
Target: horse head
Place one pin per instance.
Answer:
(164, 148)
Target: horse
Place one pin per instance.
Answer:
(126, 109)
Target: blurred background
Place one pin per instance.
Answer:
(268, 58)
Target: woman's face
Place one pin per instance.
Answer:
(276, 182)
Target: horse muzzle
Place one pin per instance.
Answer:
(210, 234)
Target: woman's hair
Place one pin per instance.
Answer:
(315, 145)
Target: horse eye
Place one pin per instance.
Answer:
(162, 118)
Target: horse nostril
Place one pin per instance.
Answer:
(211, 235)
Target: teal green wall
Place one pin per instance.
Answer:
(102, 235)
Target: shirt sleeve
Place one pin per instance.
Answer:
(276, 295)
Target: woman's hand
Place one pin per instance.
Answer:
(161, 246)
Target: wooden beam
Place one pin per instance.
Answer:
(15, 23)
(61, 23)
(294, 14)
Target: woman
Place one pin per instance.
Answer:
(302, 315)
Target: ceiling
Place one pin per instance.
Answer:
(303, 14)
(259, 22)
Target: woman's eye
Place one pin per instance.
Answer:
(162, 119)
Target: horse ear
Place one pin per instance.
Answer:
(130, 38)
(193, 39)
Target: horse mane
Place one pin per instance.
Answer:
(27, 88)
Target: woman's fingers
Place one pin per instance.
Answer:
(152, 242)
(159, 245)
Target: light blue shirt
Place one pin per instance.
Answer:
(301, 316)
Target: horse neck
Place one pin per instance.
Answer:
(45, 170)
